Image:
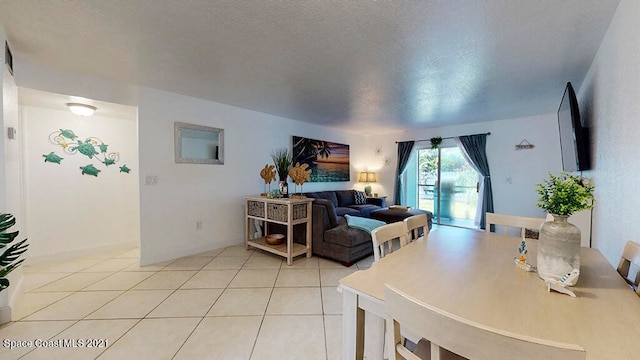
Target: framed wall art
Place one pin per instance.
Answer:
(327, 160)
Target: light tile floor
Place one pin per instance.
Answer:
(225, 304)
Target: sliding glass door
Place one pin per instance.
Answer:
(447, 186)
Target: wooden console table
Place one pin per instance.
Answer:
(283, 211)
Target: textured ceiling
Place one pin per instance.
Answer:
(369, 66)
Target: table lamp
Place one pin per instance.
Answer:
(367, 177)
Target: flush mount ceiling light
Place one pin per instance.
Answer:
(81, 109)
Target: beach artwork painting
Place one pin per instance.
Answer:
(327, 160)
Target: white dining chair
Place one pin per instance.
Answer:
(415, 225)
(507, 221)
(383, 236)
(453, 337)
(630, 255)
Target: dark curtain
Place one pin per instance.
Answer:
(475, 148)
(404, 152)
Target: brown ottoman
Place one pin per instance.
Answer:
(390, 215)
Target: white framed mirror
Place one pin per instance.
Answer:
(197, 144)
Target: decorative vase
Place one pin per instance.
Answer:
(558, 249)
(284, 188)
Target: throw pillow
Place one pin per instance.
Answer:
(360, 197)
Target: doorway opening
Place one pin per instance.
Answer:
(447, 186)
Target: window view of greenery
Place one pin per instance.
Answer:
(455, 201)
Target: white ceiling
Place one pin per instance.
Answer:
(368, 66)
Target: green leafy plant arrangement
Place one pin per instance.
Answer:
(283, 160)
(9, 258)
(435, 142)
(565, 194)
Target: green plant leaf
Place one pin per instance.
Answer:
(9, 257)
(12, 253)
(6, 221)
(4, 283)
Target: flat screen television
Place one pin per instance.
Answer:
(574, 144)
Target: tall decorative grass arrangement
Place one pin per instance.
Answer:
(282, 159)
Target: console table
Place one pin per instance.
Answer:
(283, 211)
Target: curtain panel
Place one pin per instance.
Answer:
(474, 148)
(404, 153)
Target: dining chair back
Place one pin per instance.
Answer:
(507, 221)
(452, 335)
(383, 237)
(416, 225)
(630, 255)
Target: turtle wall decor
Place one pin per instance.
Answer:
(92, 147)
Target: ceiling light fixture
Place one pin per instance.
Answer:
(81, 109)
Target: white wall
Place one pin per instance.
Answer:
(213, 194)
(11, 193)
(70, 214)
(609, 105)
(524, 168)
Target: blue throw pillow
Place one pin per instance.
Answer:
(364, 224)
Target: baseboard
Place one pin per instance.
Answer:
(78, 252)
(5, 314)
(5, 307)
(179, 252)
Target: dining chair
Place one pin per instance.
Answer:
(384, 235)
(507, 221)
(415, 224)
(630, 255)
(454, 337)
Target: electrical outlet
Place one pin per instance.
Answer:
(199, 225)
(151, 180)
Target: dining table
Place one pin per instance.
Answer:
(472, 274)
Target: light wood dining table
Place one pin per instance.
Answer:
(472, 274)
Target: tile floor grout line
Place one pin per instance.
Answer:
(252, 261)
(264, 314)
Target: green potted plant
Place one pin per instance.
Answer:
(9, 257)
(559, 243)
(282, 159)
(565, 194)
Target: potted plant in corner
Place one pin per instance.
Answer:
(559, 243)
(9, 257)
(282, 159)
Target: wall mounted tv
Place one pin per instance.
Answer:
(574, 142)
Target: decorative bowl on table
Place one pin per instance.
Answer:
(274, 239)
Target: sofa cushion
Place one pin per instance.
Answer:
(366, 209)
(360, 197)
(346, 236)
(328, 207)
(363, 223)
(329, 195)
(345, 198)
(342, 211)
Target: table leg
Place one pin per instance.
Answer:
(376, 336)
(308, 233)
(352, 327)
(289, 244)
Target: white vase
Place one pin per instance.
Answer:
(558, 249)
